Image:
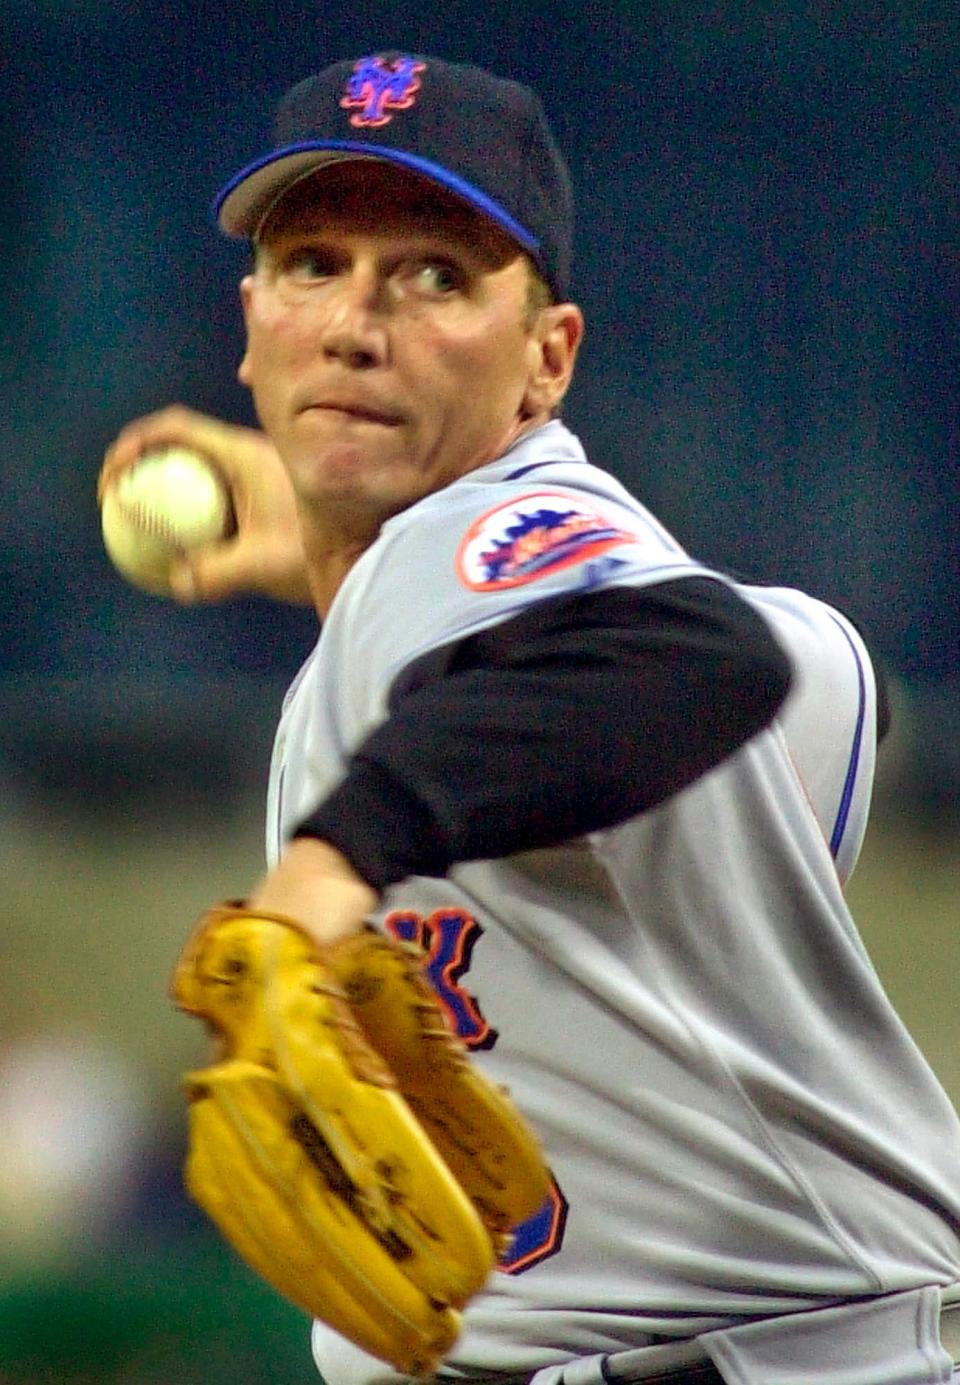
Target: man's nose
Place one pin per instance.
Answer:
(354, 330)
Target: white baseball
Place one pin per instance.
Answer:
(162, 506)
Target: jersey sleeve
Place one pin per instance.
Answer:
(567, 719)
(829, 720)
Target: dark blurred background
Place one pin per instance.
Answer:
(767, 259)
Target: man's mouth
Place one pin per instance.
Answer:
(362, 413)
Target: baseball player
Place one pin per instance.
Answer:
(613, 795)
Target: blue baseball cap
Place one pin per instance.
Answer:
(483, 138)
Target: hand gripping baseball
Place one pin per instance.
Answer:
(344, 1144)
(264, 554)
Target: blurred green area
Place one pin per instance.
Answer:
(185, 1315)
(106, 1273)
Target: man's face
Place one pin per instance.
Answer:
(390, 346)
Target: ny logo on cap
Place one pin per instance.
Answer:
(377, 89)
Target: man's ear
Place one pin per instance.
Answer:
(555, 340)
(246, 288)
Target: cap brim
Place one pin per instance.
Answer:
(243, 203)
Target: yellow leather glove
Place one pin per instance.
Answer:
(344, 1144)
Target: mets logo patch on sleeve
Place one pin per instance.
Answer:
(528, 538)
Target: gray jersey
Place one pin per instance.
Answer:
(737, 1122)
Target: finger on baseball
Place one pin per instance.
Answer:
(173, 426)
(248, 564)
(159, 429)
(212, 574)
(183, 584)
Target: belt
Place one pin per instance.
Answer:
(685, 1363)
(698, 1372)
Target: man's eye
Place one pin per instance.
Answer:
(305, 263)
(436, 276)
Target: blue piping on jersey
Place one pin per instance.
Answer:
(846, 798)
(532, 466)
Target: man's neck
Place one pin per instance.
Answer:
(330, 554)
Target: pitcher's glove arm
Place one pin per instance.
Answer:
(344, 1143)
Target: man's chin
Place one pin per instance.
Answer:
(351, 480)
